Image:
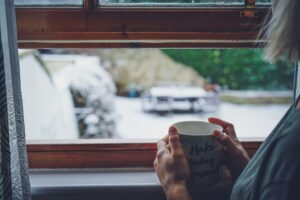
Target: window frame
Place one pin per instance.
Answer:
(122, 27)
(115, 27)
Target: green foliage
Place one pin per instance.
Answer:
(236, 68)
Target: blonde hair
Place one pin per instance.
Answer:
(283, 32)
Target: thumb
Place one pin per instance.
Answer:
(174, 141)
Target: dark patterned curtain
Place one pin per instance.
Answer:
(14, 179)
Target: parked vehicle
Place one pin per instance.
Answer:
(178, 98)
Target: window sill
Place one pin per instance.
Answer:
(133, 184)
(108, 153)
(92, 184)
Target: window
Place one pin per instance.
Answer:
(139, 93)
(115, 95)
(90, 26)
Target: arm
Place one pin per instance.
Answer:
(178, 192)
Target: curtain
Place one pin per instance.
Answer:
(14, 178)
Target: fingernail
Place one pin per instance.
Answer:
(172, 129)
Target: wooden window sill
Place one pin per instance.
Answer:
(109, 153)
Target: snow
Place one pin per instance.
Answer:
(178, 91)
(48, 110)
(249, 120)
(253, 94)
(85, 76)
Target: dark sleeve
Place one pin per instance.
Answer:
(280, 191)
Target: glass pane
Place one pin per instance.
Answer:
(175, 2)
(139, 93)
(48, 2)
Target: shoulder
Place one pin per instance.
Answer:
(282, 162)
(287, 144)
(281, 176)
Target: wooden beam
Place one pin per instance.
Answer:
(100, 153)
(137, 27)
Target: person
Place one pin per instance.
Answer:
(274, 171)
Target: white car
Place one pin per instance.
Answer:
(174, 98)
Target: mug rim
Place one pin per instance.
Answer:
(214, 127)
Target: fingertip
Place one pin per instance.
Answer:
(212, 119)
(172, 129)
(209, 119)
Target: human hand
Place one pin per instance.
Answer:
(236, 156)
(172, 167)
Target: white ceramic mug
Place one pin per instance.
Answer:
(202, 150)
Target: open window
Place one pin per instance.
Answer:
(65, 33)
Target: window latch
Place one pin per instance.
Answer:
(249, 11)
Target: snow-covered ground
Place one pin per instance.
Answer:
(249, 120)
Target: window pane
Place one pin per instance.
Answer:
(139, 93)
(48, 2)
(175, 2)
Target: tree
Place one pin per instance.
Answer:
(236, 68)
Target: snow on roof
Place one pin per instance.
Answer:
(178, 91)
(83, 72)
